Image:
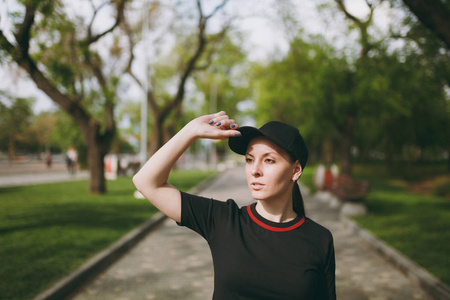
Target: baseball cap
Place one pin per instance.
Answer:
(282, 134)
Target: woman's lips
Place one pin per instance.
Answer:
(256, 186)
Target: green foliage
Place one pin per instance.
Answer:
(408, 105)
(223, 83)
(46, 7)
(130, 112)
(15, 121)
(307, 179)
(75, 66)
(398, 102)
(309, 89)
(66, 134)
(59, 50)
(42, 128)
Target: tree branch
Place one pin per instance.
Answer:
(94, 15)
(190, 65)
(216, 9)
(363, 25)
(20, 55)
(23, 34)
(216, 38)
(120, 10)
(342, 7)
(6, 45)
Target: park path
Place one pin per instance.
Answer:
(175, 263)
(34, 172)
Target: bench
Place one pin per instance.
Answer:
(349, 189)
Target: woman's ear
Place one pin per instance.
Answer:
(297, 171)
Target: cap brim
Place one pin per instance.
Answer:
(239, 144)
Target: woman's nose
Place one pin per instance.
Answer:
(256, 171)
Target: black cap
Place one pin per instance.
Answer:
(284, 135)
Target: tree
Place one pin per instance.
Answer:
(42, 128)
(15, 120)
(61, 56)
(428, 42)
(354, 102)
(434, 14)
(223, 82)
(192, 53)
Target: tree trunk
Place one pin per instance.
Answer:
(389, 154)
(448, 160)
(346, 145)
(11, 149)
(96, 155)
(327, 150)
(156, 139)
(97, 148)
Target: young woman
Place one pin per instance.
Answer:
(267, 250)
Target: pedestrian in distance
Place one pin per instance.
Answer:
(72, 159)
(266, 250)
(48, 158)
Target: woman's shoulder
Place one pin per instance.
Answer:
(318, 229)
(229, 205)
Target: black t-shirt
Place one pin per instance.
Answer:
(255, 258)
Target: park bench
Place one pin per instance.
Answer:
(349, 189)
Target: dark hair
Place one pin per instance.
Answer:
(297, 200)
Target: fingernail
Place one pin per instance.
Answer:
(238, 134)
(210, 122)
(232, 125)
(218, 124)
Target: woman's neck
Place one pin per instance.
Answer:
(279, 212)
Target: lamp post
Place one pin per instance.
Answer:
(213, 109)
(146, 86)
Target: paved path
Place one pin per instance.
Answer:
(27, 173)
(175, 263)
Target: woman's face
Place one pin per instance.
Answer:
(269, 170)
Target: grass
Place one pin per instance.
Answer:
(47, 231)
(411, 213)
(415, 224)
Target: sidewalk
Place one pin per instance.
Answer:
(36, 173)
(175, 263)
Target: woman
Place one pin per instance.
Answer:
(267, 250)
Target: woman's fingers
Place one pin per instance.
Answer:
(226, 124)
(220, 113)
(220, 126)
(222, 121)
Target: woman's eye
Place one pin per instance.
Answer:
(270, 161)
(248, 160)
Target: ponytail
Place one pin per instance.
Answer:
(297, 200)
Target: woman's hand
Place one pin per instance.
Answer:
(217, 126)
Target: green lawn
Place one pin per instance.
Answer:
(415, 224)
(47, 231)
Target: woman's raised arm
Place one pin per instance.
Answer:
(151, 180)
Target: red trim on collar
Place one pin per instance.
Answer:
(272, 228)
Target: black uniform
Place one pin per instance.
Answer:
(255, 258)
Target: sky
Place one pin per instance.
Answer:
(264, 35)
